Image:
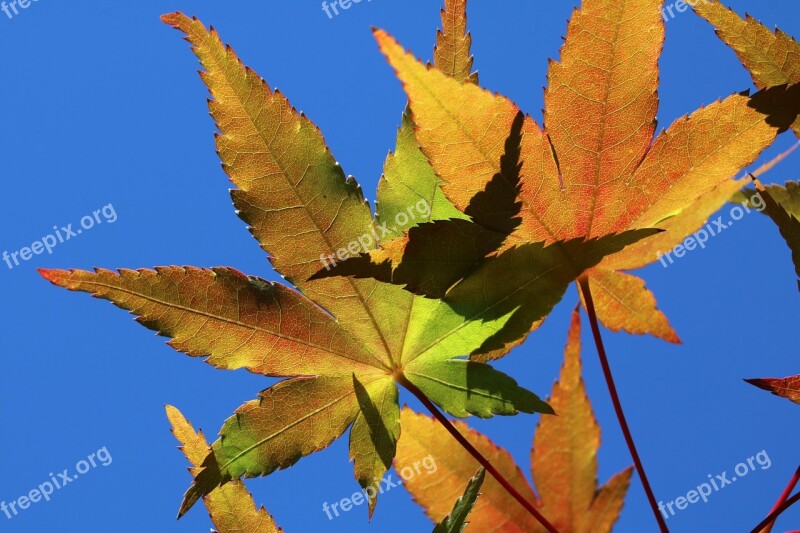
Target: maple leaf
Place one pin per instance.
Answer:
(343, 344)
(564, 464)
(788, 388)
(772, 58)
(595, 170)
(452, 53)
(782, 204)
(456, 521)
(231, 506)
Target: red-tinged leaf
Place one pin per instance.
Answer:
(596, 169)
(788, 388)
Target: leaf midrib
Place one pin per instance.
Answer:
(221, 65)
(222, 319)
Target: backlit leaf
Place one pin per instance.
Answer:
(495, 510)
(772, 58)
(564, 464)
(456, 521)
(783, 210)
(452, 53)
(564, 456)
(624, 303)
(788, 388)
(231, 507)
(595, 169)
(343, 343)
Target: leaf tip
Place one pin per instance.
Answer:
(54, 276)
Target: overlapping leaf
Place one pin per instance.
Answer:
(231, 507)
(456, 521)
(342, 343)
(772, 58)
(594, 171)
(564, 465)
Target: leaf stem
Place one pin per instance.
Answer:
(439, 416)
(768, 524)
(776, 513)
(583, 282)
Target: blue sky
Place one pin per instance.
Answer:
(102, 106)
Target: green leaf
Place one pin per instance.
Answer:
(456, 521)
(373, 438)
(464, 388)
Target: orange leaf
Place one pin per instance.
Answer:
(564, 456)
(601, 103)
(624, 304)
(596, 168)
(453, 42)
(564, 464)
(495, 510)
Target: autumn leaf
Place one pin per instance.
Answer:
(564, 465)
(782, 204)
(231, 507)
(772, 58)
(453, 43)
(344, 344)
(594, 170)
(788, 388)
(456, 521)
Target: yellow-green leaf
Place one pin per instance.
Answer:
(238, 321)
(231, 507)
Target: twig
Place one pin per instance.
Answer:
(776, 513)
(476, 454)
(583, 282)
(784, 496)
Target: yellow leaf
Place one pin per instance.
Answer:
(772, 58)
(231, 507)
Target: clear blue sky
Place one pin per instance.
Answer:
(101, 105)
